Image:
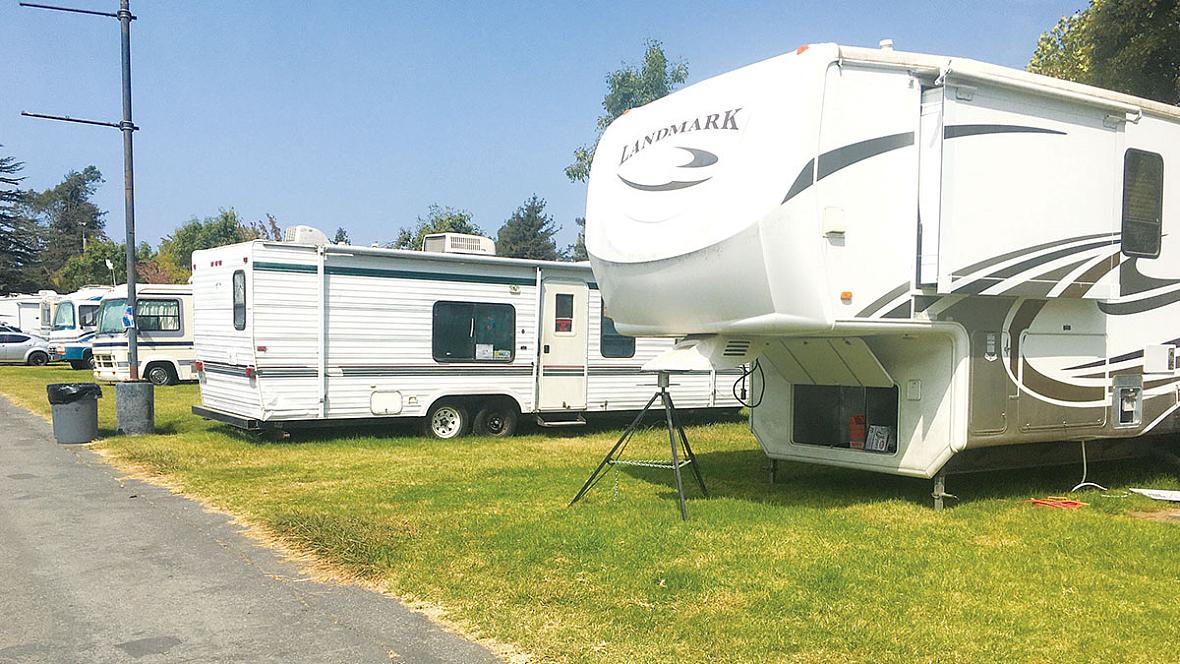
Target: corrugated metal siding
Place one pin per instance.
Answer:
(214, 337)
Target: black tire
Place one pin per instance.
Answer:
(161, 374)
(38, 359)
(78, 365)
(446, 420)
(88, 361)
(497, 419)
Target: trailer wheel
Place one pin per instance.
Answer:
(497, 418)
(38, 359)
(78, 365)
(446, 420)
(161, 374)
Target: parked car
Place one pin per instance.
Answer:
(23, 348)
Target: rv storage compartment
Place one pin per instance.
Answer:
(846, 416)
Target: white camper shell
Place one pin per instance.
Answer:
(27, 312)
(925, 255)
(164, 334)
(290, 334)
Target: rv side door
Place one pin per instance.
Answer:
(564, 323)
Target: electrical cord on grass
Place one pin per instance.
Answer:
(756, 366)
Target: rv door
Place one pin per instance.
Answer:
(562, 379)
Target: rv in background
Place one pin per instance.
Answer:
(26, 312)
(164, 323)
(930, 259)
(308, 332)
(74, 323)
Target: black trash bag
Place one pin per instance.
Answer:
(60, 393)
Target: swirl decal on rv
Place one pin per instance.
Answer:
(700, 159)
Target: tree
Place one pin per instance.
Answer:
(225, 228)
(341, 236)
(438, 219)
(629, 88)
(265, 230)
(69, 218)
(1131, 46)
(90, 267)
(577, 250)
(528, 233)
(20, 237)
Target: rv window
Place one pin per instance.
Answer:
(563, 310)
(64, 318)
(157, 315)
(471, 332)
(110, 317)
(1143, 203)
(611, 343)
(239, 300)
(87, 315)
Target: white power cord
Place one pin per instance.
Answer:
(1085, 471)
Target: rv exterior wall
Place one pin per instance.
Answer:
(996, 239)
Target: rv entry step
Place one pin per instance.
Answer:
(560, 419)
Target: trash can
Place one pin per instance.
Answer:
(75, 411)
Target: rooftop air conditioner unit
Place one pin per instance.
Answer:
(304, 235)
(459, 243)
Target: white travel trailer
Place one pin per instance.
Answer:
(291, 333)
(929, 258)
(74, 322)
(164, 339)
(25, 311)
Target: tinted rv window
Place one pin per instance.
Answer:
(563, 313)
(87, 315)
(611, 343)
(1143, 203)
(158, 315)
(239, 300)
(471, 332)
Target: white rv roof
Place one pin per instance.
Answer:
(967, 68)
(150, 289)
(345, 250)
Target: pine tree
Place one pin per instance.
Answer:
(20, 238)
(69, 218)
(341, 236)
(528, 233)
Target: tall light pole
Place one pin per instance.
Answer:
(138, 401)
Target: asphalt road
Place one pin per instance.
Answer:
(98, 569)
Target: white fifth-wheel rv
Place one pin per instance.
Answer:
(164, 334)
(307, 332)
(30, 313)
(929, 259)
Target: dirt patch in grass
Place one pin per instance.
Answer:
(1163, 516)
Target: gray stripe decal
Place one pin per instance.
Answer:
(1139, 306)
(958, 131)
(700, 158)
(1132, 281)
(975, 267)
(883, 300)
(667, 186)
(830, 162)
(977, 286)
(1040, 285)
(840, 158)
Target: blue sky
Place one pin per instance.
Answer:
(361, 114)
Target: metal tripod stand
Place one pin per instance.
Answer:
(676, 438)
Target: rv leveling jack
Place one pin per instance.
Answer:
(940, 491)
(676, 438)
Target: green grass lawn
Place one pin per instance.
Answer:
(828, 565)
